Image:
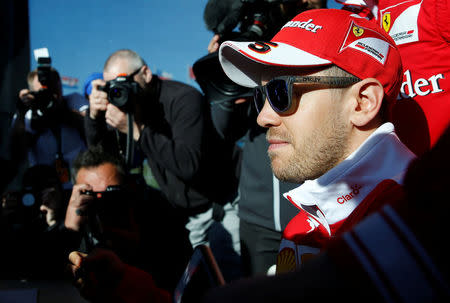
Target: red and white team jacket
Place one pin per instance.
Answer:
(349, 191)
(421, 30)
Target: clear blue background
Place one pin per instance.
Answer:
(170, 35)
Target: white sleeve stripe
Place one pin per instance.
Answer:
(276, 203)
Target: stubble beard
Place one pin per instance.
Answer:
(313, 155)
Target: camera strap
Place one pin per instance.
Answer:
(129, 152)
(62, 169)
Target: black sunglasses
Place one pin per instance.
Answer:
(278, 91)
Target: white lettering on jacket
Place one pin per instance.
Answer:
(421, 86)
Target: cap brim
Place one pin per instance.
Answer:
(245, 66)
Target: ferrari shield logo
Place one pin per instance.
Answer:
(357, 31)
(386, 21)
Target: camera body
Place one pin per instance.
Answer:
(122, 92)
(20, 209)
(43, 101)
(108, 211)
(109, 205)
(257, 20)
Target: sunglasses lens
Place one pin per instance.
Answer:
(277, 91)
(259, 98)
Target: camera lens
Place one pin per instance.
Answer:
(28, 199)
(115, 92)
(118, 95)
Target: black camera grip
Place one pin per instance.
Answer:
(102, 88)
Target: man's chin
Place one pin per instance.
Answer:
(278, 169)
(284, 172)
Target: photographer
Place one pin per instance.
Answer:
(33, 218)
(261, 212)
(172, 130)
(107, 210)
(45, 129)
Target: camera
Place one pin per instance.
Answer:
(109, 208)
(43, 100)
(21, 208)
(109, 205)
(214, 83)
(121, 91)
(257, 20)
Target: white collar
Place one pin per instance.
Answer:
(339, 191)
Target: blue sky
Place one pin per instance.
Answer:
(169, 34)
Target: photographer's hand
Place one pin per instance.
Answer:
(213, 45)
(119, 120)
(98, 99)
(116, 118)
(51, 204)
(102, 277)
(78, 203)
(26, 97)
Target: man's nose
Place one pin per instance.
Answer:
(267, 116)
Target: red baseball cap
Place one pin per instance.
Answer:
(319, 37)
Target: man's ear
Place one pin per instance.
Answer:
(368, 95)
(147, 73)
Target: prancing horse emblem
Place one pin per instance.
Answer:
(386, 21)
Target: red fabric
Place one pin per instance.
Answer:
(137, 286)
(422, 112)
(301, 230)
(344, 40)
(388, 191)
(421, 120)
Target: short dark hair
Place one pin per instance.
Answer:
(95, 156)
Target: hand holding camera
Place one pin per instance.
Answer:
(98, 99)
(99, 103)
(26, 96)
(77, 209)
(115, 98)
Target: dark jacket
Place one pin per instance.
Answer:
(257, 202)
(186, 156)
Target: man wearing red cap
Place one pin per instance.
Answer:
(421, 30)
(328, 78)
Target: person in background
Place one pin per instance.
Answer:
(173, 139)
(87, 87)
(420, 30)
(46, 129)
(107, 209)
(32, 218)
